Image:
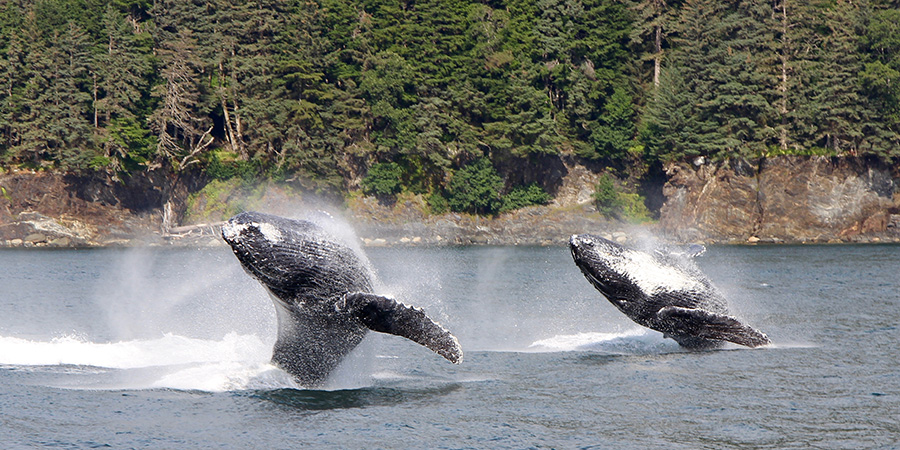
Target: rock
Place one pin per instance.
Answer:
(752, 239)
(61, 242)
(875, 223)
(35, 238)
(786, 199)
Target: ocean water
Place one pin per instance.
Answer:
(169, 348)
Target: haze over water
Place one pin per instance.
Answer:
(169, 348)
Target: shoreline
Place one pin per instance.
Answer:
(535, 227)
(785, 200)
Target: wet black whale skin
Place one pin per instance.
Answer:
(697, 319)
(322, 291)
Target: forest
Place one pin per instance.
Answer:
(461, 101)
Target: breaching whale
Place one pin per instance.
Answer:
(662, 290)
(323, 297)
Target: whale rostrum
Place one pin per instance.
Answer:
(662, 290)
(322, 291)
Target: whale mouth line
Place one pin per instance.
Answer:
(599, 284)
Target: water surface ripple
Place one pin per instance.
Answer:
(169, 348)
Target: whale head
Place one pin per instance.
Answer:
(293, 258)
(631, 279)
(605, 264)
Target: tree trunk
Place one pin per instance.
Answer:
(96, 121)
(657, 59)
(785, 46)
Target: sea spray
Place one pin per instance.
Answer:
(149, 292)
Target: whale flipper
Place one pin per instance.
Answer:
(386, 315)
(708, 325)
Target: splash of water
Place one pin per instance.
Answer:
(180, 323)
(633, 341)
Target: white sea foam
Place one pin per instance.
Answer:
(167, 350)
(234, 362)
(633, 341)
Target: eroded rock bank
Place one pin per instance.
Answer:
(63, 210)
(782, 199)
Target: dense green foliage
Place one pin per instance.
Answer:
(758, 78)
(476, 189)
(418, 95)
(383, 179)
(522, 196)
(606, 197)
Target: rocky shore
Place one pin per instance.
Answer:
(776, 200)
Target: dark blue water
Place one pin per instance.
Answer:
(168, 348)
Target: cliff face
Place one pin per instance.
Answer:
(782, 199)
(40, 208)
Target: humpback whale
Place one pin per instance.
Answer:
(662, 290)
(322, 291)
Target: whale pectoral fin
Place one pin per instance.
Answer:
(387, 315)
(707, 325)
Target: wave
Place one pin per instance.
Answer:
(234, 362)
(169, 349)
(634, 341)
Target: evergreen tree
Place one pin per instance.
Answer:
(880, 79)
(741, 79)
(720, 106)
(678, 118)
(475, 188)
(120, 84)
(12, 69)
(74, 139)
(176, 121)
(836, 101)
(49, 117)
(651, 26)
(797, 71)
(614, 132)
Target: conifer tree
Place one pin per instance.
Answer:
(176, 123)
(680, 107)
(836, 102)
(12, 68)
(50, 114)
(120, 76)
(651, 26)
(880, 79)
